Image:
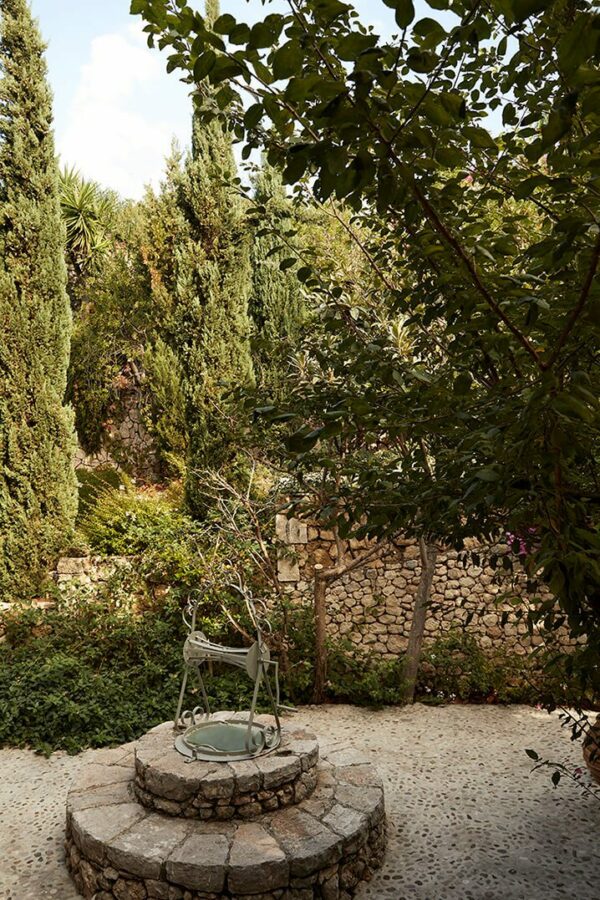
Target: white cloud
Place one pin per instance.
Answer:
(117, 132)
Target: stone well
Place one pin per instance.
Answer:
(144, 823)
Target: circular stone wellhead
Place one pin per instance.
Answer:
(323, 846)
(209, 789)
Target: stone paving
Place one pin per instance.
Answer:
(467, 819)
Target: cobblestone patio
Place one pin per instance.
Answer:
(467, 820)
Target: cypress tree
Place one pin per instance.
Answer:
(38, 497)
(212, 294)
(276, 303)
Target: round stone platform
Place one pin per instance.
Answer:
(118, 849)
(167, 782)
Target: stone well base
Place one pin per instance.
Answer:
(169, 783)
(118, 849)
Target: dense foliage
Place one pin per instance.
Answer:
(38, 497)
(434, 137)
(95, 672)
(212, 326)
(276, 303)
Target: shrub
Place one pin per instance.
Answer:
(354, 678)
(456, 667)
(93, 483)
(124, 522)
(88, 674)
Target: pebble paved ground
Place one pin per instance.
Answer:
(467, 820)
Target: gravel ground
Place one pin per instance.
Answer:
(467, 819)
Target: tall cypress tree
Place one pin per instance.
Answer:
(276, 303)
(38, 497)
(213, 288)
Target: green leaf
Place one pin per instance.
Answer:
(462, 384)
(479, 137)
(429, 32)
(224, 24)
(253, 115)
(523, 9)
(421, 60)
(526, 187)
(558, 125)
(287, 263)
(265, 34)
(404, 9)
(444, 108)
(204, 64)
(304, 273)
(351, 46)
(287, 61)
(488, 474)
(240, 34)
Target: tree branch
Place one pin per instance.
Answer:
(578, 309)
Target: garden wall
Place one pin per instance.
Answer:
(372, 606)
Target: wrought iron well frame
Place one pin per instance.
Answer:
(255, 660)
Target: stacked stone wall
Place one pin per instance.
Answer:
(371, 607)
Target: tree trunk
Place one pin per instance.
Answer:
(320, 610)
(417, 628)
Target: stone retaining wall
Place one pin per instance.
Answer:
(73, 572)
(371, 607)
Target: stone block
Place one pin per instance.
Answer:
(287, 569)
(218, 785)
(276, 771)
(281, 523)
(256, 862)
(297, 531)
(107, 795)
(124, 889)
(367, 800)
(157, 890)
(200, 862)
(308, 844)
(171, 778)
(350, 824)
(247, 776)
(142, 849)
(71, 566)
(98, 775)
(92, 829)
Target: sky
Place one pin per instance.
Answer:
(116, 109)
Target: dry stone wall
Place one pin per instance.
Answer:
(371, 606)
(73, 573)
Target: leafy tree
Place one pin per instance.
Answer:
(37, 483)
(424, 134)
(276, 306)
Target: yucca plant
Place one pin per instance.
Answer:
(89, 213)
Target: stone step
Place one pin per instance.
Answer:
(168, 782)
(118, 849)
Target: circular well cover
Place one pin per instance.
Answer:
(227, 741)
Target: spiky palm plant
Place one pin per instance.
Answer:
(89, 214)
